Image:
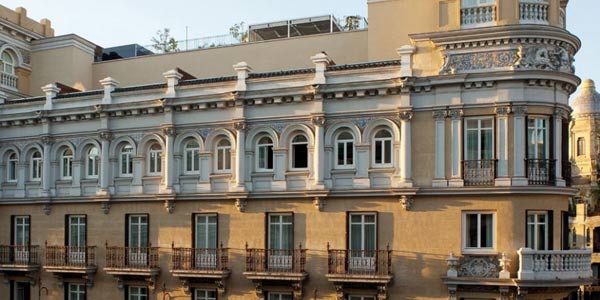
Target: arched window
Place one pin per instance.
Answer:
(299, 155)
(155, 160)
(11, 167)
(580, 146)
(223, 155)
(8, 63)
(93, 162)
(126, 160)
(264, 149)
(36, 166)
(382, 148)
(344, 150)
(191, 158)
(66, 164)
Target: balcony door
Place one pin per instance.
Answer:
(537, 138)
(76, 239)
(138, 240)
(205, 241)
(363, 242)
(281, 241)
(21, 239)
(479, 149)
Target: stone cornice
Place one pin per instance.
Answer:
(69, 40)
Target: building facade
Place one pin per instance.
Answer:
(425, 157)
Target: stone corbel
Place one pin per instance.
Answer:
(339, 291)
(406, 202)
(169, 206)
(168, 130)
(105, 206)
(241, 204)
(240, 126)
(318, 120)
(522, 293)
(452, 294)
(47, 208)
(259, 289)
(381, 292)
(220, 285)
(319, 203)
(297, 290)
(152, 283)
(405, 115)
(504, 293)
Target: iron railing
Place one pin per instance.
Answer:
(541, 171)
(192, 259)
(566, 172)
(131, 257)
(360, 262)
(70, 256)
(19, 255)
(276, 260)
(479, 172)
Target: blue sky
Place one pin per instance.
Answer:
(116, 22)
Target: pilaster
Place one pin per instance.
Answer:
(440, 148)
(519, 144)
(456, 116)
(502, 178)
(405, 148)
(318, 121)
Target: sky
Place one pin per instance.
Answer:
(118, 22)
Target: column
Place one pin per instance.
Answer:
(502, 178)
(169, 172)
(319, 153)
(405, 149)
(457, 144)
(105, 138)
(559, 115)
(519, 144)
(46, 167)
(440, 148)
(240, 144)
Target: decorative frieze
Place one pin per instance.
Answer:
(479, 61)
(553, 58)
(479, 266)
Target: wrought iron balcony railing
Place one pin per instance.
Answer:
(70, 256)
(276, 260)
(479, 172)
(19, 255)
(131, 257)
(541, 171)
(566, 172)
(200, 259)
(360, 262)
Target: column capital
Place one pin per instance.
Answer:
(240, 125)
(405, 116)
(318, 120)
(169, 130)
(519, 111)
(440, 115)
(47, 140)
(503, 110)
(456, 114)
(105, 135)
(561, 113)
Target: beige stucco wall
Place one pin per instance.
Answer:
(420, 246)
(294, 53)
(68, 65)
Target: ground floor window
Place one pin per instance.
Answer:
(20, 291)
(354, 297)
(137, 293)
(75, 291)
(205, 295)
(280, 296)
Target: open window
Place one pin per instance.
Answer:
(299, 152)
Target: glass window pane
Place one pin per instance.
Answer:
(378, 152)
(356, 237)
(388, 152)
(350, 153)
(472, 231)
(487, 228)
(370, 237)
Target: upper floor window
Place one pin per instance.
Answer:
(126, 160)
(224, 155)
(93, 162)
(191, 159)
(11, 166)
(299, 155)
(8, 63)
(537, 230)
(155, 160)
(537, 138)
(478, 231)
(382, 152)
(265, 154)
(580, 146)
(344, 150)
(36, 166)
(479, 141)
(66, 164)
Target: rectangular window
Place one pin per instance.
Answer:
(137, 293)
(205, 240)
(20, 290)
(75, 291)
(280, 296)
(537, 230)
(363, 241)
(205, 295)
(21, 230)
(537, 138)
(12, 168)
(281, 240)
(479, 139)
(76, 239)
(137, 241)
(479, 231)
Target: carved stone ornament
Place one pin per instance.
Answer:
(240, 126)
(520, 111)
(452, 261)
(553, 58)
(381, 292)
(297, 290)
(319, 203)
(440, 115)
(405, 116)
(220, 284)
(339, 291)
(318, 120)
(47, 208)
(241, 204)
(478, 61)
(105, 135)
(455, 114)
(168, 131)
(47, 140)
(561, 113)
(479, 266)
(105, 206)
(503, 110)
(406, 202)
(169, 206)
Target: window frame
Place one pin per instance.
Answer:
(130, 231)
(280, 295)
(479, 129)
(138, 294)
(195, 236)
(464, 230)
(92, 163)
(268, 152)
(280, 223)
(344, 142)
(154, 161)
(547, 133)
(195, 157)
(383, 141)
(223, 152)
(197, 297)
(363, 224)
(82, 222)
(15, 228)
(36, 166)
(12, 65)
(66, 159)
(292, 152)
(536, 223)
(580, 151)
(81, 292)
(127, 157)
(12, 166)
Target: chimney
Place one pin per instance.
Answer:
(51, 91)
(173, 77)
(321, 61)
(242, 69)
(109, 84)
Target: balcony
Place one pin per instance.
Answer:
(71, 260)
(533, 12)
(479, 172)
(541, 171)
(19, 258)
(8, 81)
(201, 265)
(132, 262)
(277, 267)
(478, 16)
(571, 265)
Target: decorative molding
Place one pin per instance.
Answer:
(561, 113)
(503, 110)
(479, 61)
(47, 208)
(405, 116)
(169, 206)
(204, 132)
(297, 290)
(105, 135)
(318, 120)
(479, 266)
(319, 203)
(47, 140)
(406, 202)
(240, 125)
(105, 206)
(456, 114)
(241, 204)
(519, 111)
(169, 130)
(440, 115)
(553, 58)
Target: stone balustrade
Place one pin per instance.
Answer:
(533, 12)
(8, 80)
(476, 16)
(553, 265)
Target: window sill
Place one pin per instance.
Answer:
(64, 181)
(9, 183)
(152, 177)
(123, 179)
(89, 180)
(39, 182)
(382, 170)
(343, 171)
(263, 174)
(221, 175)
(297, 173)
(190, 177)
(471, 251)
